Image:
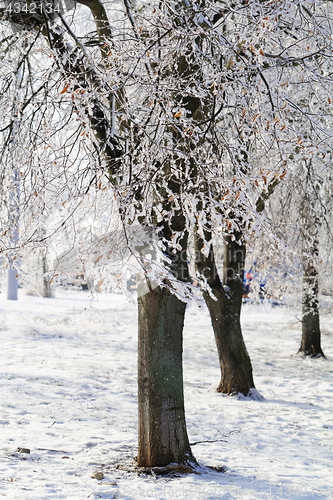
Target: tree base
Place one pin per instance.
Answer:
(253, 395)
(312, 352)
(171, 470)
(225, 387)
(188, 467)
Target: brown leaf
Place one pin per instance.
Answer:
(65, 89)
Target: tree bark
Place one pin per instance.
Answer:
(310, 344)
(224, 310)
(12, 284)
(162, 429)
(46, 281)
(14, 197)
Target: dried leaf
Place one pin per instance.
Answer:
(65, 89)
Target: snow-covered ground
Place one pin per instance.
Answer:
(68, 393)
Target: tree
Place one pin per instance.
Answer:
(169, 442)
(162, 429)
(310, 344)
(302, 213)
(309, 233)
(225, 301)
(14, 200)
(224, 305)
(12, 276)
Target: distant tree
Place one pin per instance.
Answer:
(301, 210)
(309, 235)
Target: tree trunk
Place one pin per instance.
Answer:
(46, 281)
(12, 284)
(224, 309)
(14, 197)
(310, 344)
(162, 429)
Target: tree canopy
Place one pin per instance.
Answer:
(120, 115)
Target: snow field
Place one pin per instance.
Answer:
(69, 394)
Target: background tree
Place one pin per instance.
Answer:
(301, 208)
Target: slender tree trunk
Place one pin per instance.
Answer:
(46, 281)
(12, 284)
(14, 197)
(224, 309)
(310, 344)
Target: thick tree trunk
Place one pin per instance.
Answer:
(235, 363)
(310, 344)
(162, 429)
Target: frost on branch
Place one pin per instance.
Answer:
(174, 118)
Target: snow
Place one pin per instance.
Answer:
(69, 394)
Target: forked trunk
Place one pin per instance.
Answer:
(310, 344)
(162, 429)
(225, 309)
